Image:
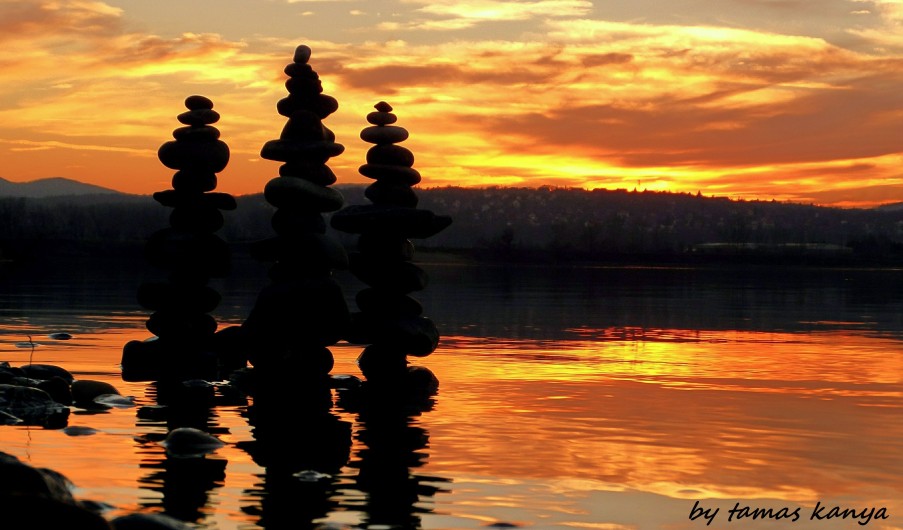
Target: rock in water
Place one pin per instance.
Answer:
(188, 442)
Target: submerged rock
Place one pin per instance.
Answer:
(188, 442)
(33, 406)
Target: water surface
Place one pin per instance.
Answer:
(569, 398)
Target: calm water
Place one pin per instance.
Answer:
(569, 398)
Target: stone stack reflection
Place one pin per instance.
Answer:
(191, 253)
(390, 320)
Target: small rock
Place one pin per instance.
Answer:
(60, 336)
(197, 102)
(77, 430)
(302, 54)
(85, 390)
(46, 371)
(188, 442)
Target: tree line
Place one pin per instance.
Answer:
(510, 223)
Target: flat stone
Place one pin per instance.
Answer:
(195, 156)
(195, 298)
(382, 106)
(402, 276)
(303, 127)
(399, 175)
(179, 325)
(381, 118)
(290, 151)
(304, 85)
(323, 105)
(196, 134)
(205, 218)
(199, 117)
(375, 301)
(317, 251)
(406, 222)
(393, 155)
(194, 181)
(205, 255)
(300, 312)
(290, 222)
(389, 134)
(383, 193)
(318, 173)
(198, 102)
(184, 199)
(296, 193)
(385, 246)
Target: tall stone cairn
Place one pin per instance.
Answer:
(390, 320)
(302, 311)
(190, 251)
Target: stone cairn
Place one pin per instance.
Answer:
(190, 251)
(302, 311)
(390, 320)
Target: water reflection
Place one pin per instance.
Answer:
(393, 446)
(570, 400)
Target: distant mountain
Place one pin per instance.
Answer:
(51, 187)
(892, 207)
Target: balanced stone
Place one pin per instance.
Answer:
(304, 126)
(395, 155)
(289, 151)
(193, 297)
(197, 102)
(381, 118)
(407, 222)
(202, 219)
(196, 134)
(386, 246)
(196, 156)
(290, 221)
(298, 193)
(373, 300)
(302, 54)
(194, 181)
(405, 176)
(322, 105)
(319, 174)
(385, 194)
(300, 70)
(389, 134)
(401, 277)
(199, 117)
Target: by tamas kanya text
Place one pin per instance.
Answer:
(821, 512)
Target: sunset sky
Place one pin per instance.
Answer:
(796, 100)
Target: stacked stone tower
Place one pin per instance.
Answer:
(390, 320)
(302, 311)
(191, 253)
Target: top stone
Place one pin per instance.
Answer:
(198, 103)
(382, 106)
(302, 54)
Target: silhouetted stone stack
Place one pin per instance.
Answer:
(303, 310)
(190, 251)
(390, 320)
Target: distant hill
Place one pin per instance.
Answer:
(51, 187)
